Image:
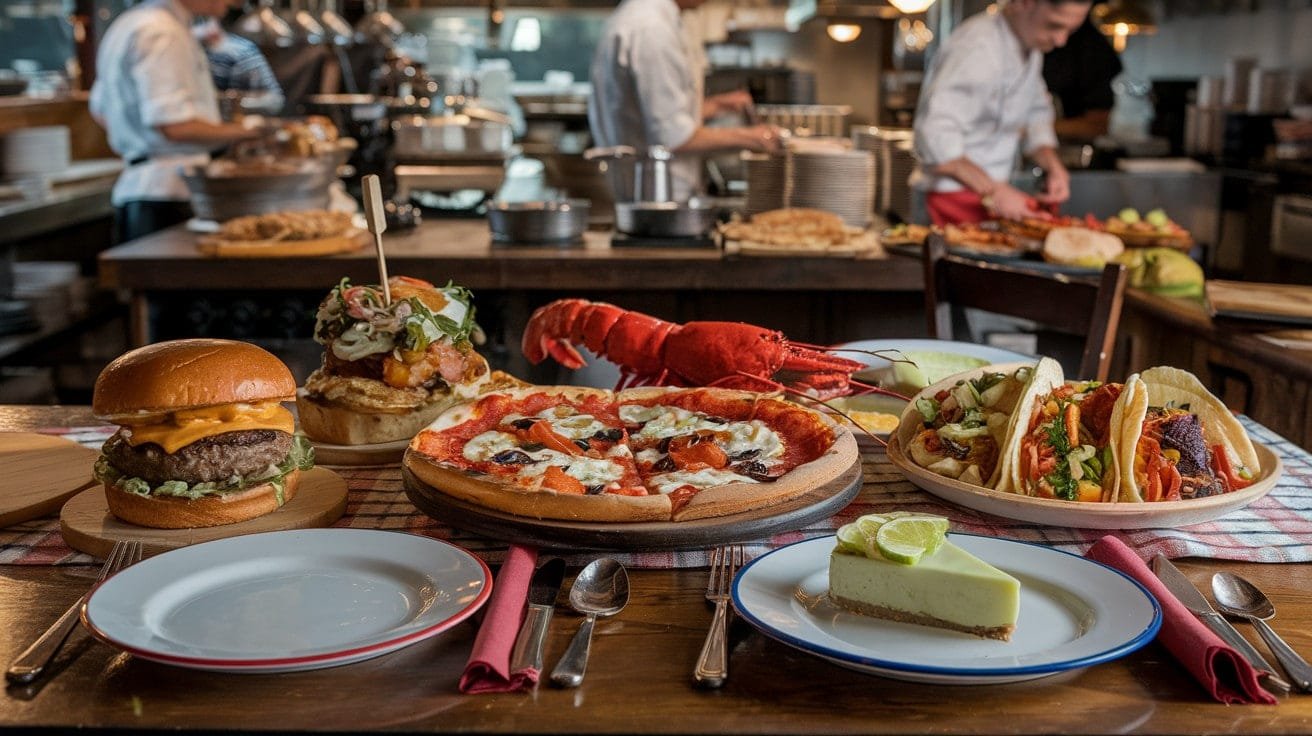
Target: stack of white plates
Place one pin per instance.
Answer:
(894, 162)
(34, 152)
(842, 182)
(765, 182)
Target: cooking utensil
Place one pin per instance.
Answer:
(1181, 588)
(451, 136)
(1235, 596)
(542, 592)
(32, 662)
(538, 222)
(664, 219)
(713, 663)
(233, 194)
(637, 176)
(601, 589)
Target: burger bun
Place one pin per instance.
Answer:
(1077, 246)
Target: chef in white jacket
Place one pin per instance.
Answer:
(647, 91)
(156, 100)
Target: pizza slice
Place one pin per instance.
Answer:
(715, 452)
(545, 453)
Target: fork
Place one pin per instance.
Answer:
(33, 661)
(713, 663)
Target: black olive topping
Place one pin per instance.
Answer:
(524, 423)
(664, 445)
(755, 470)
(664, 465)
(745, 455)
(595, 490)
(583, 444)
(512, 457)
(716, 420)
(532, 446)
(610, 435)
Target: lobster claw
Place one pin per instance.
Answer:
(548, 333)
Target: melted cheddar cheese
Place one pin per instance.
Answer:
(181, 428)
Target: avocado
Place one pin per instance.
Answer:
(1129, 215)
(1157, 218)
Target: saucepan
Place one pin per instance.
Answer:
(538, 222)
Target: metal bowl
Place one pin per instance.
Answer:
(223, 197)
(539, 222)
(665, 219)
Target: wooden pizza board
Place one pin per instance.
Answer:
(87, 525)
(40, 473)
(819, 503)
(348, 242)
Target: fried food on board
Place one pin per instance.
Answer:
(792, 226)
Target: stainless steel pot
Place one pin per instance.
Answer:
(665, 219)
(636, 176)
(224, 197)
(450, 136)
(538, 223)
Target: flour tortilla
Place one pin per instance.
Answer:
(1047, 376)
(1160, 386)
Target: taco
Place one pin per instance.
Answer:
(1065, 447)
(966, 428)
(1177, 441)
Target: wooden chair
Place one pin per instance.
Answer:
(1087, 307)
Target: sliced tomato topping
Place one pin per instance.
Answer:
(694, 456)
(542, 433)
(562, 482)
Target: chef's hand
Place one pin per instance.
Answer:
(1059, 186)
(765, 138)
(727, 103)
(1010, 203)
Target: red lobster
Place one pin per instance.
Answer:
(653, 352)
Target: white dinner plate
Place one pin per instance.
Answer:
(197, 225)
(1074, 613)
(969, 349)
(288, 601)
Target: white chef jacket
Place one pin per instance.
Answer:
(645, 89)
(982, 96)
(150, 71)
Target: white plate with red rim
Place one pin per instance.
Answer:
(288, 601)
(1074, 613)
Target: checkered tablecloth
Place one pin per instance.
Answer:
(1275, 528)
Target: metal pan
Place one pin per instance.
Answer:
(538, 223)
(664, 219)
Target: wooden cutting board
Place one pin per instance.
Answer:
(1273, 302)
(346, 243)
(40, 473)
(87, 525)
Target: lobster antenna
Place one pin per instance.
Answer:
(377, 221)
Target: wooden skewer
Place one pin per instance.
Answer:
(377, 221)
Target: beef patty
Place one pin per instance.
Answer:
(211, 459)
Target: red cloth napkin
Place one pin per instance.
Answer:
(488, 669)
(1221, 670)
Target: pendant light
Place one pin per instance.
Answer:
(843, 32)
(911, 7)
(1121, 19)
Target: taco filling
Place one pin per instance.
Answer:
(966, 426)
(1066, 452)
(1172, 461)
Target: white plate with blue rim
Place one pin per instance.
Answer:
(288, 601)
(1074, 613)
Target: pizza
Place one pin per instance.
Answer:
(981, 240)
(648, 454)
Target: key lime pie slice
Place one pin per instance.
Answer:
(901, 567)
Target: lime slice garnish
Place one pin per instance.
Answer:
(907, 539)
(851, 539)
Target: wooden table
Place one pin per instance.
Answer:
(639, 679)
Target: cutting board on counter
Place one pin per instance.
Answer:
(348, 242)
(1284, 303)
(40, 473)
(87, 526)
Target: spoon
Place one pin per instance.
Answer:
(1235, 596)
(601, 589)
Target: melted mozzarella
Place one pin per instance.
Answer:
(708, 478)
(566, 422)
(484, 446)
(589, 471)
(659, 422)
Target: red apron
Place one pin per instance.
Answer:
(956, 208)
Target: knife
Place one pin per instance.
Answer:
(542, 590)
(1179, 585)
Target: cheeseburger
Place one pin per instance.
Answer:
(390, 368)
(203, 439)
